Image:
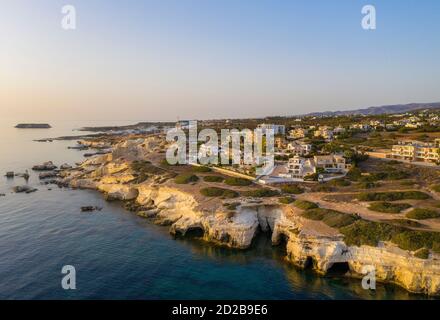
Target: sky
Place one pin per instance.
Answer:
(199, 59)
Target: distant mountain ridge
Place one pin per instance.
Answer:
(388, 109)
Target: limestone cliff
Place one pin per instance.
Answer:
(184, 210)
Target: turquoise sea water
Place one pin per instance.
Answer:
(118, 255)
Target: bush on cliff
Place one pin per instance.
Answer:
(364, 232)
(332, 218)
(292, 189)
(436, 187)
(185, 178)
(260, 193)
(340, 182)
(201, 169)
(389, 207)
(233, 181)
(422, 253)
(305, 205)
(218, 192)
(414, 240)
(422, 213)
(213, 179)
(286, 200)
(392, 196)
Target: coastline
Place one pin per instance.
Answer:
(185, 211)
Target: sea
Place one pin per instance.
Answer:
(118, 255)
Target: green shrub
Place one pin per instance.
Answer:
(389, 207)
(392, 196)
(185, 178)
(218, 192)
(436, 187)
(259, 193)
(305, 205)
(233, 181)
(201, 169)
(286, 200)
(322, 187)
(364, 232)
(413, 240)
(422, 213)
(368, 185)
(354, 174)
(232, 206)
(404, 223)
(340, 182)
(330, 217)
(292, 189)
(213, 179)
(422, 253)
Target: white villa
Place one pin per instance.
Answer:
(298, 133)
(299, 167)
(361, 126)
(324, 132)
(298, 148)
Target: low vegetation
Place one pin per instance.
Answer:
(292, 189)
(340, 182)
(393, 196)
(436, 188)
(368, 232)
(233, 181)
(219, 192)
(286, 200)
(232, 206)
(201, 169)
(213, 179)
(330, 217)
(185, 178)
(414, 240)
(422, 213)
(422, 253)
(389, 207)
(305, 205)
(144, 170)
(404, 223)
(260, 193)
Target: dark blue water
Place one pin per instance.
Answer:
(118, 255)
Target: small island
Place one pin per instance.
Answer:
(33, 126)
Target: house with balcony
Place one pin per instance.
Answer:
(324, 132)
(416, 151)
(299, 148)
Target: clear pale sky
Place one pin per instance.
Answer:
(163, 59)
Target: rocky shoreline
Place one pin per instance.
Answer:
(186, 211)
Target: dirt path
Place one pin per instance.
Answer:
(361, 208)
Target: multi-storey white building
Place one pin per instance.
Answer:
(298, 148)
(299, 167)
(417, 151)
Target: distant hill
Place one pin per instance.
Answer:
(33, 126)
(389, 109)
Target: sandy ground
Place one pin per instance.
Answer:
(361, 208)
